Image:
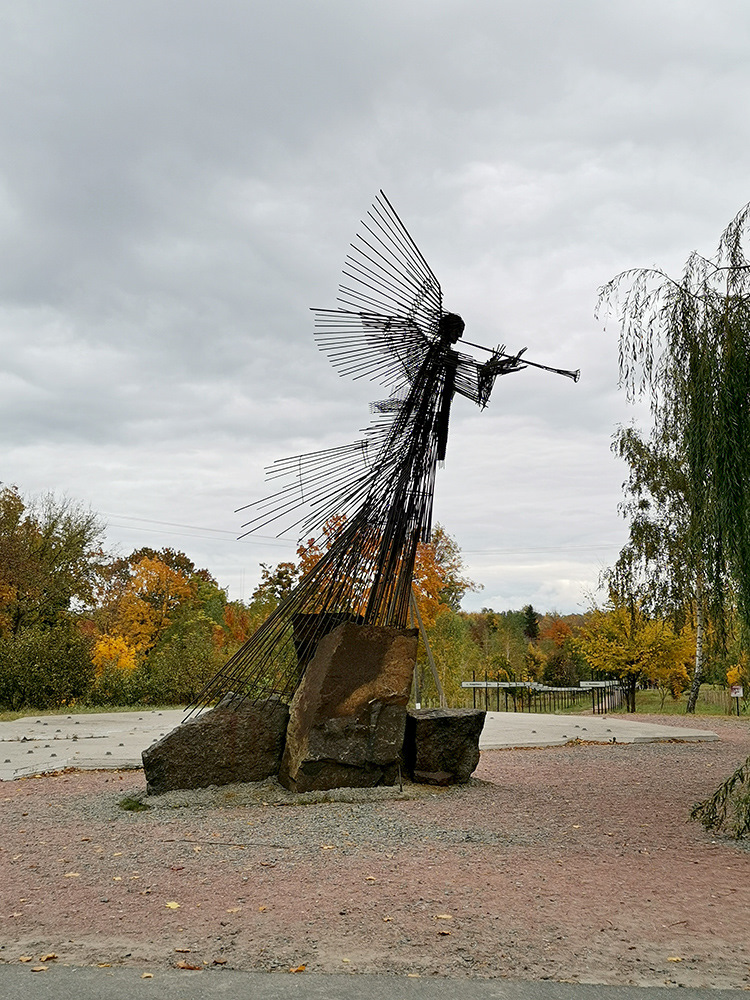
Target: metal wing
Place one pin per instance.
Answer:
(390, 303)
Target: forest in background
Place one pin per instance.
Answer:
(81, 626)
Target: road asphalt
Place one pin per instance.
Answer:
(20, 983)
(114, 740)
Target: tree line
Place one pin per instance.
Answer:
(79, 625)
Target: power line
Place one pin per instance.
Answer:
(226, 535)
(189, 530)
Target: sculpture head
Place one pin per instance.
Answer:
(451, 327)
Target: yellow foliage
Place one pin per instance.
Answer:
(622, 640)
(113, 651)
(734, 676)
(534, 662)
(152, 593)
(428, 581)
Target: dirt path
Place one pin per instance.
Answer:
(570, 863)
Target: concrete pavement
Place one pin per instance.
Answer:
(111, 740)
(523, 729)
(20, 983)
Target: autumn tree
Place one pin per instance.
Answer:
(621, 640)
(161, 630)
(563, 665)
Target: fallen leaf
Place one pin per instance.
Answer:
(370, 878)
(183, 951)
(39, 968)
(327, 847)
(172, 906)
(197, 849)
(298, 968)
(220, 961)
(187, 965)
(147, 975)
(346, 960)
(412, 975)
(117, 878)
(262, 909)
(104, 965)
(72, 875)
(576, 826)
(47, 958)
(176, 868)
(117, 854)
(444, 933)
(234, 909)
(443, 916)
(674, 958)
(26, 958)
(386, 919)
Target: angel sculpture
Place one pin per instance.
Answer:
(389, 326)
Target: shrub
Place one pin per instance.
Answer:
(44, 668)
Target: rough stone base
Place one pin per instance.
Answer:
(441, 746)
(308, 628)
(236, 741)
(347, 718)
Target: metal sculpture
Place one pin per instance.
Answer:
(389, 327)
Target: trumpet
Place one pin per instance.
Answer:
(500, 353)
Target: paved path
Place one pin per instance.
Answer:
(522, 729)
(41, 744)
(20, 983)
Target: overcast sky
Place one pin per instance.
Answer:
(179, 182)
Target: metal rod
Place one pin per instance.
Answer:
(534, 364)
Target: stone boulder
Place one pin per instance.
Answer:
(441, 745)
(308, 628)
(236, 741)
(347, 717)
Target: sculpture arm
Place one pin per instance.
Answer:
(475, 381)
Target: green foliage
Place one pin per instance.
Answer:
(530, 622)
(455, 655)
(131, 804)
(48, 559)
(44, 668)
(660, 561)
(276, 583)
(185, 659)
(728, 809)
(686, 342)
(622, 641)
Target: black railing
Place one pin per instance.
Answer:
(529, 696)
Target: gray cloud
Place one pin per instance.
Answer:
(179, 184)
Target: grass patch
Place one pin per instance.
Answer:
(132, 804)
(712, 701)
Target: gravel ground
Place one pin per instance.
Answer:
(568, 863)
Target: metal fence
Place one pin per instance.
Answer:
(520, 696)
